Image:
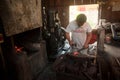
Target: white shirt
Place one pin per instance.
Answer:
(79, 34)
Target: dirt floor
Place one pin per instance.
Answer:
(47, 73)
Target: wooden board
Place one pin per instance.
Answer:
(20, 15)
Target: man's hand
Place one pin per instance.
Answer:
(71, 43)
(68, 38)
(85, 46)
(89, 36)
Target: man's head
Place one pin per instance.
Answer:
(81, 19)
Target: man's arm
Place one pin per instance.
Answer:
(89, 36)
(68, 38)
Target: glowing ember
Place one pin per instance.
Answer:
(18, 49)
(75, 53)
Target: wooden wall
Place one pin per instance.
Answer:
(20, 15)
(62, 6)
(108, 13)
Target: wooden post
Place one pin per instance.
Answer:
(100, 41)
(2, 58)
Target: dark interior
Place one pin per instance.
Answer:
(33, 44)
